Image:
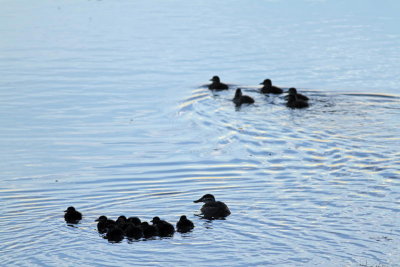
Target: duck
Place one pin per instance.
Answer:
(293, 91)
(240, 99)
(213, 209)
(104, 224)
(164, 228)
(72, 215)
(115, 234)
(268, 88)
(148, 230)
(122, 222)
(133, 231)
(184, 225)
(294, 102)
(217, 85)
(134, 220)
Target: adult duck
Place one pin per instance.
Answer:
(213, 209)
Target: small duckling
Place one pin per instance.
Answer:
(133, 231)
(148, 230)
(164, 228)
(294, 102)
(268, 88)
(213, 209)
(293, 91)
(122, 222)
(115, 234)
(72, 215)
(240, 99)
(104, 224)
(135, 220)
(217, 85)
(184, 225)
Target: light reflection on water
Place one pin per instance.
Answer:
(103, 107)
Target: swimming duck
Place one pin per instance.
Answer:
(213, 209)
(294, 102)
(72, 215)
(240, 99)
(115, 234)
(217, 85)
(104, 224)
(268, 88)
(133, 231)
(122, 222)
(184, 225)
(164, 228)
(293, 91)
(148, 230)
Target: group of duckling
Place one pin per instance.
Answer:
(293, 98)
(134, 228)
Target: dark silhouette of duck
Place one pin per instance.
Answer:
(148, 230)
(294, 102)
(268, 88)
(213, 209)
(240, 99)
(293, 91)
(104, 224)
(184, 225)
(115, 234)
(135, 220)
(217, 85)
(72, 215)
(133, 231)
(122, 222)
(164, 228)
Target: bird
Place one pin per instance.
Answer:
(115, 234)
(213, 209)
(72, 215)
(268, 88)
(104, 224)
(217, 85)
(240, 99)
(148, 230)
(164, 228)
(133, 231)
(293, 91)
(294, 102)
(184, 225)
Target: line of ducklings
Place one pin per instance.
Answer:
(293, 99)
(134, 229)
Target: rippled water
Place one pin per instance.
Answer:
(103, 108)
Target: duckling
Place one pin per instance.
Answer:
(133, 231)
(240, 99)
(104, 224)
(213, 209)
(115, 234)
(217, 85)
(148, 230)
(72, 215)
(293, 91)
(122, 222)
(164, 228)
(184, 225)
(294, 102)
(268, 88)
(135, 220)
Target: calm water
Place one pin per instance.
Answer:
(102, 107)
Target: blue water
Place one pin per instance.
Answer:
(102, 107)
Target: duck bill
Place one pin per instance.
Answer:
(199, 200)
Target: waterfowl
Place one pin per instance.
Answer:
(72, 215)
(293, 91)
(122, 222)
(148, 230)
(294, 102)
(213, 209)
(240, 99)
(164, 228)
(217, 85)
(184, 225)
(133, 231)
(134, 220)
(104, 224)
(268, 88)
(115, 234)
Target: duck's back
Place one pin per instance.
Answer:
(218, 86)
(215, 209)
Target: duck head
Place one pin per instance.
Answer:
(156, 220)
(267, 82)
(292, 91)
(215, 79)
(70, 209)
(238, 93)
(206, 198)
(101, 219)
